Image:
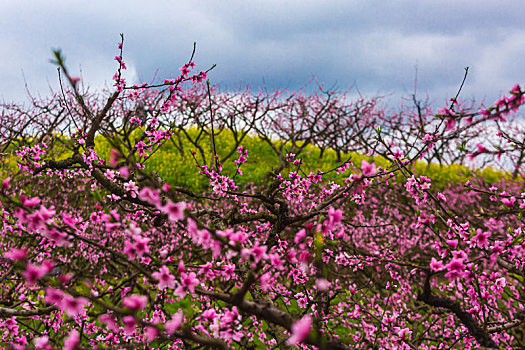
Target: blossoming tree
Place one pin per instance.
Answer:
(99, 252)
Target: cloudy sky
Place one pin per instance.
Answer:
(371, 45)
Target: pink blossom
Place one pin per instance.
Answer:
(16, 254)
(335, 216)
(60, 238)
(129, 249)
(481, 238)
(509, 202)
(151, 333)
(300, 330)
(124, 172)
(209, 315)
(484, 112)
(398, 154)
(445, 111)
(180, 267)
(481, 148)
(29, 202)
(304, 257)
(501, 282)
(369, 169)
(455, 269)
(68, 220)
(129, 324)
(54, 296)
(151, 196)
(184, 70)
(141, 245)
(237, 237)
(453, 243)
(257, 252)
(137, 248)
(72, 306)
(322, 284)
(5, 183)
(188, 282)
(135, 302)
(132, 188)
(230, 316)
(114, 157)
(450, 123)
(10, 324)
(134, 229)
(302, 301)
(299, 236)
(402, 333)
(436, 265)
(72, 341)
(165, 278)
(429, 137)
(276, 261)
(264, 281)
(109, 321)
(35, 221)
(41, 342)
(175, 211)
(174, 324)
(32, 273)
(459, 254)
(516, 89)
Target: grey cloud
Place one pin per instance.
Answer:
(373, 44)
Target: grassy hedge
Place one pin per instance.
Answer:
(178, 169)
